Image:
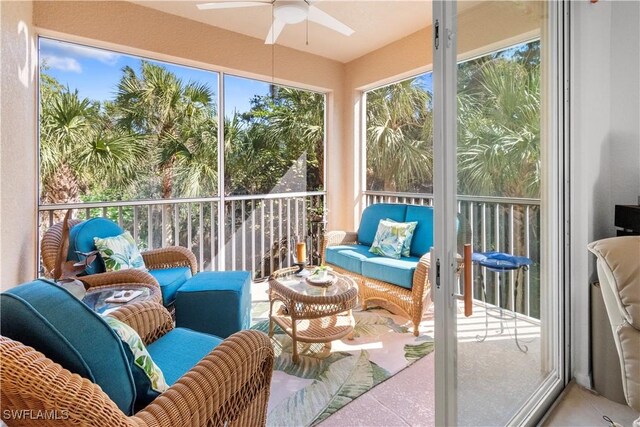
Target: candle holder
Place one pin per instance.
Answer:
(301, 266)
(299, 254)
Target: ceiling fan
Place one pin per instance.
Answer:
(285, 12)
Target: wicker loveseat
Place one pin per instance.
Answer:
(49, 337)
(168, 267)
(401, 285)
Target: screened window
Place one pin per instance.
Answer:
(274, 138)
(498, 125)
(121, 127)
(399, 137)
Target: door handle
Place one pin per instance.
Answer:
(468, 303)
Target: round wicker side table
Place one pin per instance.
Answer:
(308, 313)
(96, 296)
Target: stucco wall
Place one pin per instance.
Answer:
(18, 145)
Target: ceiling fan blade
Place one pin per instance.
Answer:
(319, 17)
(231, 4)
(274, 31)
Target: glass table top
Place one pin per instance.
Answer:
(96, 299)
(300, 284)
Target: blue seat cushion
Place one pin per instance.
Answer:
(50, 319)
(215, 302)
(371, 217)
(170, 280)
(423, 235)
(348, 257)
(178, 351)
(81, 240)
(396, 271)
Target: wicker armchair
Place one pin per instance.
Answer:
(229, 386)
(156, 259)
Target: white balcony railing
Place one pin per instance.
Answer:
(246, 233)
(255, 232)
(510, 225)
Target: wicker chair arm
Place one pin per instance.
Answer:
(50, 244)
(149, 319)
(230, 386)
(173, 256)
(30, 381)
(334, 238)
(421, 283)
(119, 277)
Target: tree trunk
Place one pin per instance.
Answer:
(167, 190)
(60, 187)
(389, 184)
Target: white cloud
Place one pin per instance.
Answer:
(61, 63)
(104, 56)
(79, 51)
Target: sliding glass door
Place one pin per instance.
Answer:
(496, 263)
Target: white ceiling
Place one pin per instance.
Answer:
(376, 23)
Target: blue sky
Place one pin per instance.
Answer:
(426, 81)
(95, 73)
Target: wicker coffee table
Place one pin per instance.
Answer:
(308, 313)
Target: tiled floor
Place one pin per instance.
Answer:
(493, 376)
(580, 407)
(406, 399)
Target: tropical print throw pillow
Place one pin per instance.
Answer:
(119, 252)
(411, 227)
(141, 356)
(389, 239)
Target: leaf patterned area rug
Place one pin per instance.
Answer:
(325, 379)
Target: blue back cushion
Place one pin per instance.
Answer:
(371, 217)
(423, 235)
(81, 240)
(54, 322)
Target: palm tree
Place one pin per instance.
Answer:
(77, 150)
(177, 121)
(399, 137)
(297, 116)
(499, 131)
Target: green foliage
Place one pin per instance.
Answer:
(499, 125)
(278, 146)
(76, 148)
(399, 138)
(498, 129)
(178, 123)
(158, 138)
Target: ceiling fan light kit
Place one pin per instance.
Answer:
(291, 12)
(285, 12)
